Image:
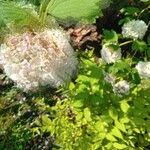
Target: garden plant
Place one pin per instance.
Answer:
(74, 75)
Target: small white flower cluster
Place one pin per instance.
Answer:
(134, 29)
(38, 59)
(143, 69)
(109, 55)
(121, 88)
(109, 78)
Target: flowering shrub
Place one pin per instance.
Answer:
(38, 59)
(92, 116)
(106, 107)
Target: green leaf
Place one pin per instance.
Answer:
(116, 132)
(139, 46)
(78, 103)
(110, 36)
(45, 120)
(113, 113)
(131, 10)
(135, 78)
(11, 13)
(77, 10)
(119, 146)
(110, 137)
(71, 86)
(124, 106)
(124, 120)
(120, 126)
(87, 114)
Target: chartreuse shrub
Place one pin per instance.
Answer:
(92, 116)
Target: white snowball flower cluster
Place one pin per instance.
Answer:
(143, 69)
(109, 55)
(134, 29)
(121, 88)
(38, 59)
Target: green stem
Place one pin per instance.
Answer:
(125, 43)
(44, 10)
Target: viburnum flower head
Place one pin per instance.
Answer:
(134, 29)
(109, 55)
(143, 69)
(121, 88)
(35, 59)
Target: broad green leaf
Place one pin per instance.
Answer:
(119, 146)
(116, 132)
(110, 36)
(77, 10)
(124, 106)
(11, 13)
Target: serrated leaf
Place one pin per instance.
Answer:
(11, 13)
(77, 10)
(119, 146)
(116, 132)
(124, 106)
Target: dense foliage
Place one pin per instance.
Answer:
(107, 104)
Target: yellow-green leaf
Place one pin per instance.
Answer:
(120, 126)
(110, 137)
(87, 114)
(119, 146)
(124, 106)
(116, 132)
